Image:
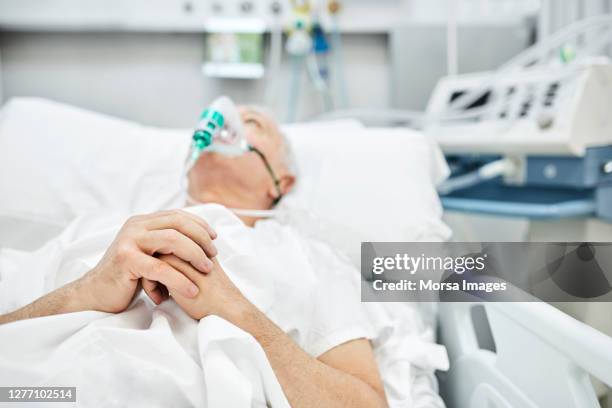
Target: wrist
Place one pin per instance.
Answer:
(81, 295)
(238, 311)
(253, 321)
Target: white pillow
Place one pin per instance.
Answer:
(367, 184)
(59, 161)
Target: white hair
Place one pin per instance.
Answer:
(288, 153)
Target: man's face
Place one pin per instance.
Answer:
(262, 132)
(231, 179)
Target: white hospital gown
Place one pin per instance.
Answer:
(156, 355)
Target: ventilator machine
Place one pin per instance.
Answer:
(534, 138)
(545, 134)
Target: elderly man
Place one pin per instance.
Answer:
(324, 360)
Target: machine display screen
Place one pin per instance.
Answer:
(482, 101)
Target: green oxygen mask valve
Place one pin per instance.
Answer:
(211, 122)
(218, 130)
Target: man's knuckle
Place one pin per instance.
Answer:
(172, 237)
(209, 243)
(123, 252)
(134, 219)
(159, 270)
(178, 213)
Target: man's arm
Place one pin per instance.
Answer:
(345, 376)
(67, 299)
(113, 283)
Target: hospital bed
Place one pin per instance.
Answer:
(501, 355)
(521, 355)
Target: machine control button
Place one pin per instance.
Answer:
(545, 120)
(217, 7)
(246, 7)
(550, 171)
(276, 7)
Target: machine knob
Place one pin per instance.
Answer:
(276, 7)
(217, 7)
(188, 7)
(545, 120)
(550, 171)
(246, 6)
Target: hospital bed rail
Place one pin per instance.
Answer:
(536, 356)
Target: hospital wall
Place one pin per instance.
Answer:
(156, 78)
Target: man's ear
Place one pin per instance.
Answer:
(286, 182)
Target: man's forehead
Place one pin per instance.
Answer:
(266, 120)
(251, 110)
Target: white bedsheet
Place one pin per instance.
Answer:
(153, 356)
(145, 357)
(157, 356)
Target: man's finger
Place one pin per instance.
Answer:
(195, 218)
(164, 292)
(184, 224)
(181, 266)
(152, 289)
(159, 271)
(170, 241)
(202, 222)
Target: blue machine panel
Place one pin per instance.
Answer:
(555, 187)
(570, 172)
(603, 199)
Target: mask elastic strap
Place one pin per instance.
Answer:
(272, 173)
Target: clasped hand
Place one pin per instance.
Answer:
(167, 253)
